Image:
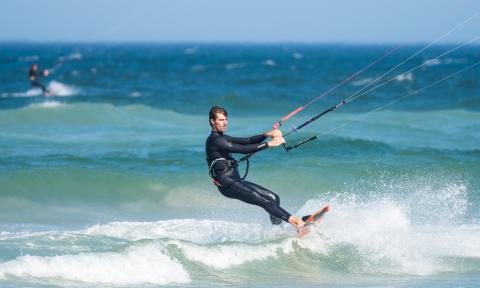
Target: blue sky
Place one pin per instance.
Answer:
(340, 21)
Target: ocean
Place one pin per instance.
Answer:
(105, 183)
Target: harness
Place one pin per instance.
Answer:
(229, 164)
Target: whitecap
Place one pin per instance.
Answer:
(432, 62)
(198, 231)
(33, 92)
(230, 255)
(404, 77)
(146, 264)
(56, 88)
(269, 62)
(234, 66)
(48, 104)
(60, 89)
(297, 55)
(362, 82)
(135, 94)
(73, 56)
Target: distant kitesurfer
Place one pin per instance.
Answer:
(223, 167)
(34, 74)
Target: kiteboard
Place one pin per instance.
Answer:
(312, 220)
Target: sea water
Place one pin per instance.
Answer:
(105, 184)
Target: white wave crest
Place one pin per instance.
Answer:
(227, 256)
(297, 55)
(404, 77)
(362, 82)
(148, 264)
(56, 89)
(135, 94)
(73, 56)
(198, 231)
(48, 104)
(60, 89)
(232, 66)
(432, 62)
(34, 92)
(269, 62)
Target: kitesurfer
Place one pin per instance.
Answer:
(223, 167)
(34, 74)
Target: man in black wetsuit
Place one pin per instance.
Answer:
(33, 76)
(223, 167)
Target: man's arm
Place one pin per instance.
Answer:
(255, 139)
(247, 140)
(32, 76)
(226, 144)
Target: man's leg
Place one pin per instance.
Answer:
(41, 86)
(257, 195)
(267, 193)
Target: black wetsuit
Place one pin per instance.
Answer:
(33, 76)
(224, 171)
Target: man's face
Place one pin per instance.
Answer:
(220, 123)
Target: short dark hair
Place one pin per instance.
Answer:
(216, 110)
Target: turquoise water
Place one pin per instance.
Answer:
(106, 184)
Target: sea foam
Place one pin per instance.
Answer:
(381, 233)
(147, 264)
(60, 89)
(227, 255)
(198, 231)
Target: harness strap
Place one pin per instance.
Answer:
(246, 170)
(216, 183)
(212, 165)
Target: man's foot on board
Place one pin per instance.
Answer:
(303, 229)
